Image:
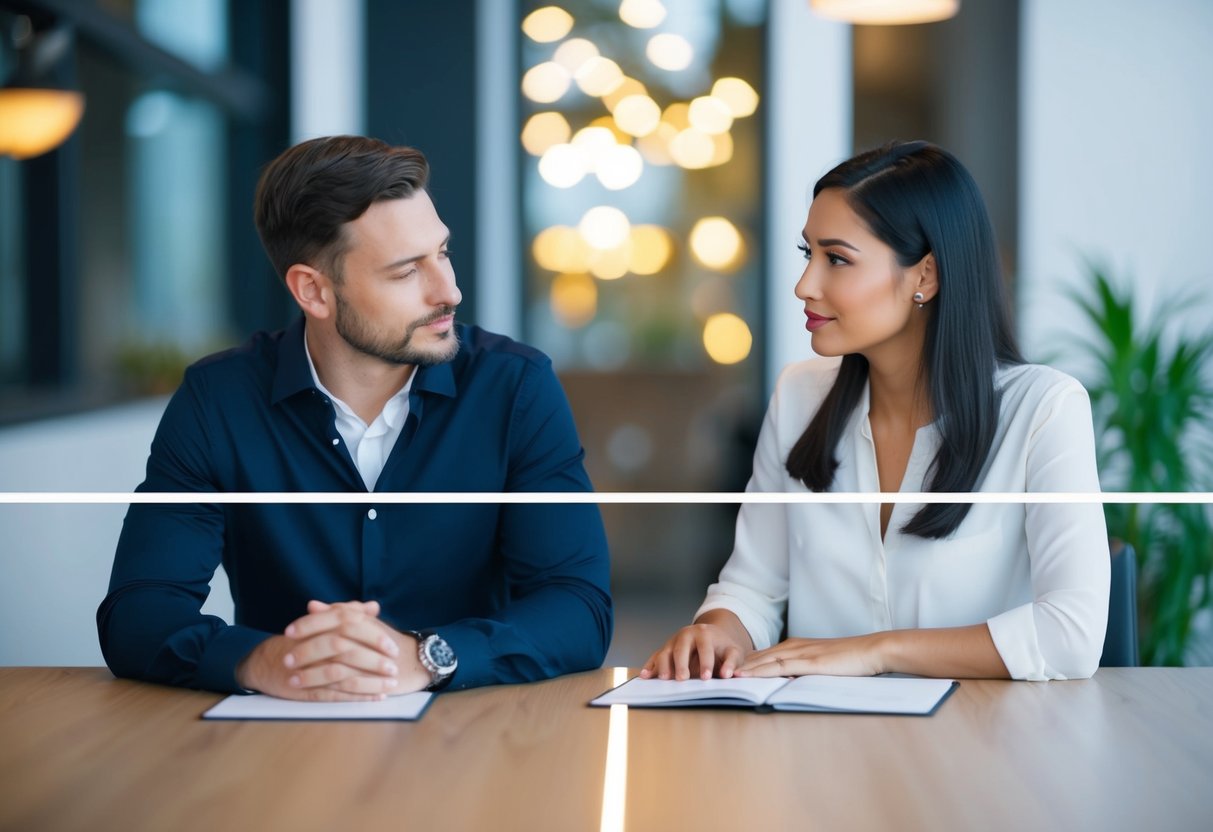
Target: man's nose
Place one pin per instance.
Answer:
(443, 289)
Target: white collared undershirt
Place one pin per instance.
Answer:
(369, 445)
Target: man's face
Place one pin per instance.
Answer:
(397, 296)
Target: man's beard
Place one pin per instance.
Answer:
(358, 333)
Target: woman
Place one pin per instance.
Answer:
(923, 389)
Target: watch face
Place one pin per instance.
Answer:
(441, 653)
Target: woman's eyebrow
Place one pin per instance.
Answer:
(833, 241)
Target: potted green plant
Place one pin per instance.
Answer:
(1152, 402)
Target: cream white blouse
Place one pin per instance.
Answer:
(1038, 575)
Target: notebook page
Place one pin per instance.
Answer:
(259, 706)
(869, 694)
(641, 692)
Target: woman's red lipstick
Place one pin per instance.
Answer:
(815, 321)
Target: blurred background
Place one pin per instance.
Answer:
(625, 183)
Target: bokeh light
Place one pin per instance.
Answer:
(723, 151)
(642, 14)
(547, 24)
(655, 147)
(739, 96)
(727, 338)
(574, 52)
(692, 149)
(599, 76)
(670, 52)
(638, 115)
(561, 248)
(619, 167)
(543, 130)
(611, 263)
(677, 115)
(574, 299)
(716, 243)
(545, 82)
(594, 141)
(710, 115)
(651, 249)
(604, 227)
(630, 86)
(608, 123)
(562, 165)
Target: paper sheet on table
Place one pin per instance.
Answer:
(408, 706)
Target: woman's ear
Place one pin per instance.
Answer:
(927, 274)
(311, 289)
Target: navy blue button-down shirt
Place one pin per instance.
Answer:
(520, 591)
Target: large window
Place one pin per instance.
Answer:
(642, 181)
(117, 249)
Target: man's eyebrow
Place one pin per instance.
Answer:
(833, 241)
(397, 264)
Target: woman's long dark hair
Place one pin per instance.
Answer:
(918, 199)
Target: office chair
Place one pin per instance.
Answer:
(1120, 643)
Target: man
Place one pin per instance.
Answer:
(373, 389)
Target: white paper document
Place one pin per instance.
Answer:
(820, 694)
(258, 706)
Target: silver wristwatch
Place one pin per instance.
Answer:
(436, 656)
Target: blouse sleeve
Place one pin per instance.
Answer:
(1059, 635)
(753, 584)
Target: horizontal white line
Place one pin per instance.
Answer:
(599, 497)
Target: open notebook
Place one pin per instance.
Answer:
(819, 694)
(408, 706)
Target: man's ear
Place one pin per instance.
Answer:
(312, 290)
(928, 277)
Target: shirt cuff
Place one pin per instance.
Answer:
(225, 650)
(1014, 634)
(472, 652)
(757, 626)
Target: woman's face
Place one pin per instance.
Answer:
(857, 297)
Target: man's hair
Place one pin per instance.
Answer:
(308, 194)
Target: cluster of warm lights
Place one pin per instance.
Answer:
(692, 135)
(604, 244)
(613, 148)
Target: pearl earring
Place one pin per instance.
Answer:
(919, 297)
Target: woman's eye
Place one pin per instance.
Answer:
(804, 250)
(837, 260)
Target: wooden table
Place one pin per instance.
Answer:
(1130, 749)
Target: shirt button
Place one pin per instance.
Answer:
(372, 514)
(336, 441)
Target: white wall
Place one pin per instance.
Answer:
(55, 559)
(1116, 120)
(328, 68)
(808, 132)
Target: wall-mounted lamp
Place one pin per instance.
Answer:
(886, 12)
(34, 121)
(35, 115)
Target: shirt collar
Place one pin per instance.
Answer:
(292, 374)
(391, 409)
(437, 378)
